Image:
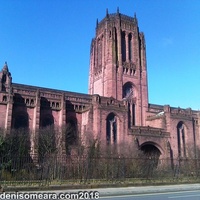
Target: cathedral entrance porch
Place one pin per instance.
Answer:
(152, 141)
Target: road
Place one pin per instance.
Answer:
(184, 195)
(167, 192)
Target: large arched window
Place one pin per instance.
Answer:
(130, 49)
(20, 138)
(47, 120)
(115, 49)
(128, 93)
(111, 129)
(181, 129)
(123, 45)
(71, 136)
(21, 121)
(99, 52)
(47, 136)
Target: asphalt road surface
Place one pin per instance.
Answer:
(184, 195)
(167, 192)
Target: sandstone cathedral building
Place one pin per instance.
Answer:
(116, 110)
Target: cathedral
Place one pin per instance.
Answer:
(116, 109)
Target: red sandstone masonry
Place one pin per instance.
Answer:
(109, 72)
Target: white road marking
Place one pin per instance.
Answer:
(152, 194)
(185, 196)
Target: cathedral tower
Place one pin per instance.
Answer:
(118, 64)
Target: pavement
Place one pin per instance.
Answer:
(147, 189)
(118, 191)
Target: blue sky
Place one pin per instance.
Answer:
(47, 42)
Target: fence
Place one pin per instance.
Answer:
(75, 169)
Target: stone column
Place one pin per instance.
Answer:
(35, 129)
(9, 108)
(62, 124)
(127, 47)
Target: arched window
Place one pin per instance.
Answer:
(71, 136)
(131, 114)
(127, 90)
(115, 49)
(181, 129)
(128, 93)
(4, 98)
(130, 48)
(99, 51)
(47, 120)
(21, 121)
(47, 137)
(111, 129)
(123, 41)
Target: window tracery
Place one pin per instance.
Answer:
(111, 129)
(181, 130)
